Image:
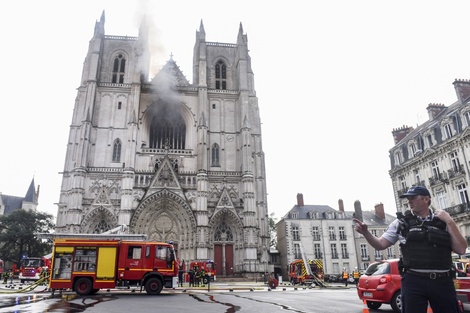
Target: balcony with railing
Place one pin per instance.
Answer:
(365, 257)
(345, 255)
(334, 255)
(456, 172)
(440, 178)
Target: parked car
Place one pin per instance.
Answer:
(331, 278)
(381, 283)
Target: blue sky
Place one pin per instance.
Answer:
(333, 78)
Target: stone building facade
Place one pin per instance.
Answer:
(436, 155)
(324, 233)
(174, 160)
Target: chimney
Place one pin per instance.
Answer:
(400, 133)
(379, 211)
(434, 109)
(300, 199)
(341, 205)
(462, 88)
(358, 210)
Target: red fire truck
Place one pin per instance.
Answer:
(88, 265)
(299, 273)
(32, 267)
(208, 266)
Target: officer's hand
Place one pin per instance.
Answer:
(360, 227)
(442, 215)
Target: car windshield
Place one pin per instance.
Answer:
(378, 269)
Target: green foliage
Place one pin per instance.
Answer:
(18, 235)
(272, 231)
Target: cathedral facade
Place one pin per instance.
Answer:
(174, 160)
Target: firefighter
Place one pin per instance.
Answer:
(356, 275)
(191, 277)
(345, 277)
(197, 276)
(180, 277)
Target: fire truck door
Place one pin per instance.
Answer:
(133, 262)
(163, 259)
(106, 267)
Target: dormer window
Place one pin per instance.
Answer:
(220, 76)
(398, 158)
(119, 68)
(466, 118)
(429, 139)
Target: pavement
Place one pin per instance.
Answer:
(15, 286)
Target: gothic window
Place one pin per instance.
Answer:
(215, 155)
(167, 130)
(101, 227)
(119, 68)
(220, 75)
(223, 233)
(117, 151)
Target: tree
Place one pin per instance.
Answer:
(18, 235)
(272, 231)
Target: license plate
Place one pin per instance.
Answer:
(367, 294)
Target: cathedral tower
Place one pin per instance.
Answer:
(177, 161)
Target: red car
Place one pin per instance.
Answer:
(381, 283)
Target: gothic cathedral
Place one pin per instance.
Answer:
(174, 160)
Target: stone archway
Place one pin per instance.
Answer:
(226, 234)
(166, 216)
(98, 221)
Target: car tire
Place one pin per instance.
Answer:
(396, 302)
(373, 305)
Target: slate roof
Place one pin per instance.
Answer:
(12, 203)
(369, 217)
(303, 211)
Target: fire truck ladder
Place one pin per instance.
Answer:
(307, 267)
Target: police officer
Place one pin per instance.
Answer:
(427, 240)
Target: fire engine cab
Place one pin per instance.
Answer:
(207, 266)
(88, 265)
(31, 268)
(306, 272)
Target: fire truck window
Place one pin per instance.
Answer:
(134, 253)
(147, 252)
(161, 253)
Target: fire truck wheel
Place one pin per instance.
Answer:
(83, 286)
(205, 280)
(153, 286)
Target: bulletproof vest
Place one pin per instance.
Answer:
(427, 244)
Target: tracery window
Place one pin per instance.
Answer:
(117, 151)
(223, 233)
(119, 68)
(215, 155)
(167, 130)
(101, 227)
(220, 75)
